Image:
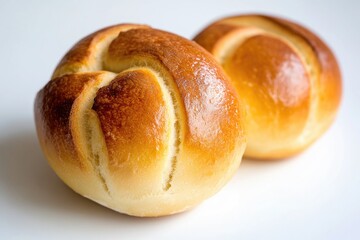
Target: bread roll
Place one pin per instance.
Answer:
(285, 75)
(141, 121)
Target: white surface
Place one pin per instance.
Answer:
(313, 196)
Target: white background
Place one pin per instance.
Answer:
(313, 196)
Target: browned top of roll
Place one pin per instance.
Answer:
(284, 71)
(160, 107)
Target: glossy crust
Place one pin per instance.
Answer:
(285, 75)
(141, 121)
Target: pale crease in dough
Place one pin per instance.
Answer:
(89, 138)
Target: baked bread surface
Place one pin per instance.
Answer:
(140, 120)
(286, 76)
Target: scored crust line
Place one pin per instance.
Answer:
(168, 88)
(175, 141)
(86, 128)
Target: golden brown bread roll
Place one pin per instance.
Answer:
(141, 121)
(287, 78)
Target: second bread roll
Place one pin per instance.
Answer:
(285, 75)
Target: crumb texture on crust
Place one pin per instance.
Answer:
(141, 121)
(286, 76)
